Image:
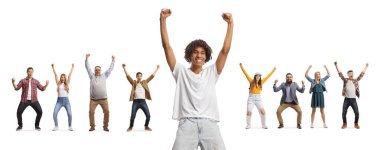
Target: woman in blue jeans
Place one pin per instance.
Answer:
(63, 100)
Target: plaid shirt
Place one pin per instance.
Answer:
(24, 84)
(355, 81)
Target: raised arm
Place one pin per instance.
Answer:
(363, 72)
(222, 57)
(307, 71)
(328, 74)
(327, 70)
(108, 72)
(153, 74)
(55, 74)
(129, 78)
(71, 71)
(339, 72)
(245, 73)
(365, 68)
(307, 74)
(88, 67)
(268, 76)
(336, 66)
(170, 58)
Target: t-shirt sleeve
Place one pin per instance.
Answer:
(176, 71)
(213, 72)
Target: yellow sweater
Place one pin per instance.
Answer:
(256, 89)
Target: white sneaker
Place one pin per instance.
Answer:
(55, 129)
(265, 127)
(324, 125)
(312, 126)
(71, 129)
(248, 127)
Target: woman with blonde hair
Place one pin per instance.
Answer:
(62, 100)
(317, 87)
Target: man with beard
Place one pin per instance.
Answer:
(289, 98)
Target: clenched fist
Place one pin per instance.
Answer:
(227, 17)
(165, 13)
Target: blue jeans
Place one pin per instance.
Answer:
(62, 102)
(347, 103)
(139, 103)
(198, 132)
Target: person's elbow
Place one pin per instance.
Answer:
(225, 50)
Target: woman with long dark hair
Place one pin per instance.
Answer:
(254, 98)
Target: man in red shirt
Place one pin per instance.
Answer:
(29, 87)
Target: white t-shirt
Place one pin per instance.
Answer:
(195, 94)
(139, 92)
(30, 90)
(61, 90)
(350, 89)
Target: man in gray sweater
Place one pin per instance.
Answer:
(289, 98)
(98, 92)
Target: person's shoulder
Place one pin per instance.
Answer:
(23, 80)
(211, 67)
(35, 80)
(179, 67)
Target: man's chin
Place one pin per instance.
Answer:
(200, 64)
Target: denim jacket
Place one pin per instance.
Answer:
(313, 83)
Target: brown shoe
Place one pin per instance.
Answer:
(280, 126)
(129, 129)
(147, 128)
(344, 126)
(357, 126)
(106, 129)
(92, 129)
(299, 126)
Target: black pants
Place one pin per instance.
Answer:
(347, 103)
(36, 106)
(137, 104)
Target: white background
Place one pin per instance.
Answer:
(289, 35)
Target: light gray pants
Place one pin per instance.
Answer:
(202, 132)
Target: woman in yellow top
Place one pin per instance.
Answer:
(255, 87)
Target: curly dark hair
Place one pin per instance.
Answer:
(193, 45)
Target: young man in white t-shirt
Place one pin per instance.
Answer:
(195, 104)
(350, 92)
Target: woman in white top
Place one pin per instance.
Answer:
(63, 100)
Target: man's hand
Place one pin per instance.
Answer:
(227, 17)
(165, 13)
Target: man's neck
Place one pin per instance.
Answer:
(196, 69)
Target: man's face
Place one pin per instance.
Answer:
(289, 78)
(198, 56)
(350, 74)
(97, 71)
(30, 73)
(139, 77)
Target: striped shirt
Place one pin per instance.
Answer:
(24, 84)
